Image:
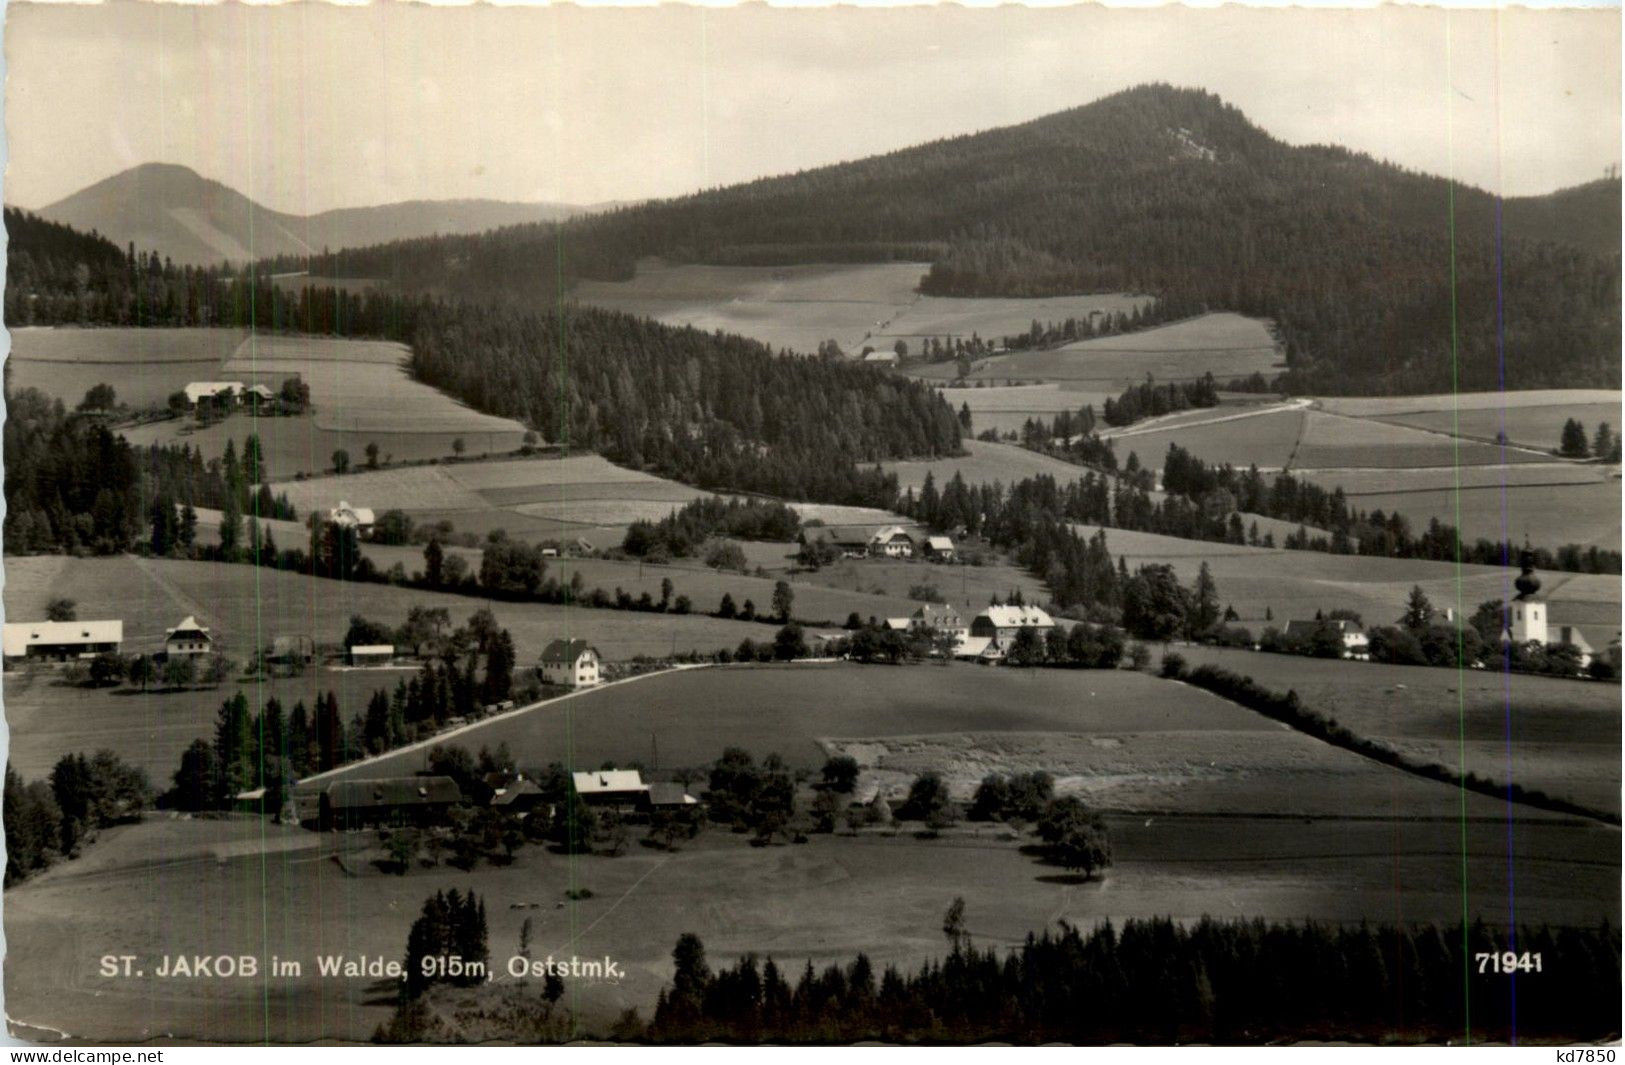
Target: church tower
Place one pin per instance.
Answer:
(1527, 617)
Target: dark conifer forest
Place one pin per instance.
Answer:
(1363, 265)
(1162, 982)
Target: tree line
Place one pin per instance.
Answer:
(1206, 502)
(1159, 982)
(1220, 490)
(1287, 708)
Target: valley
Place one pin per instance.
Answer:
(746, 564)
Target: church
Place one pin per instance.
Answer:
(1528, 616)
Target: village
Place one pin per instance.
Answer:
(1060, 566)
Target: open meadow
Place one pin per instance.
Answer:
(983, 463)
(1266, 439)
(1006, 408)
(143, 365)
(242, 887)
(992, 318)
(247, 606)
(549, 497)
(1223, 344)
(361, 392)
(795, 307)
(857, 305)
(1550, 734)
(1585, 513)
(1295, 584)
(1128, 742)
(1532, 419)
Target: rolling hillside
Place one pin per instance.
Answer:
(192, 220)
(1165, 191)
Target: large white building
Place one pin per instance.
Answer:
(571, 664)
(59, 641)
(999, 624)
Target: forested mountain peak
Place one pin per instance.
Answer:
(1379, 279)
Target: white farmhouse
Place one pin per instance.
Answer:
(1000, 624)
(570, 664)
(361, 519)
(188, 638)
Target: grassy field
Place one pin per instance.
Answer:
(984, 463)
(143, 365)
(797, 307)
(238, 887)
(1128, 742)
(1549, 515)
(1264, 440)
(1006, 408)
(1294, 584)
(150, 730)
(1334, 441)
(1558, 736)
(855, 304)
(818, 597)
(247, 606)
(1390, 406)
(1226, 345)
(1537, 427)
(360, 392)
(1411, 469)
(536, 498)
(990, 318)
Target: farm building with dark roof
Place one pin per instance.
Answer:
(351, 804)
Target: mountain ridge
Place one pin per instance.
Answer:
(199, 221)
(1380, 279)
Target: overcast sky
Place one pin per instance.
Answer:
(307, 107)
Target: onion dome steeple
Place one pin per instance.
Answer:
(1527, 583)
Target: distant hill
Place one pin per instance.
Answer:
(1586, 216)
(193, 220)
(1362, 264)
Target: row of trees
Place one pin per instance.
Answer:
(1160, 982)
(1287, 708)
(1222, 490)
(267, 749)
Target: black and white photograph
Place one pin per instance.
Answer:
(770, 526)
